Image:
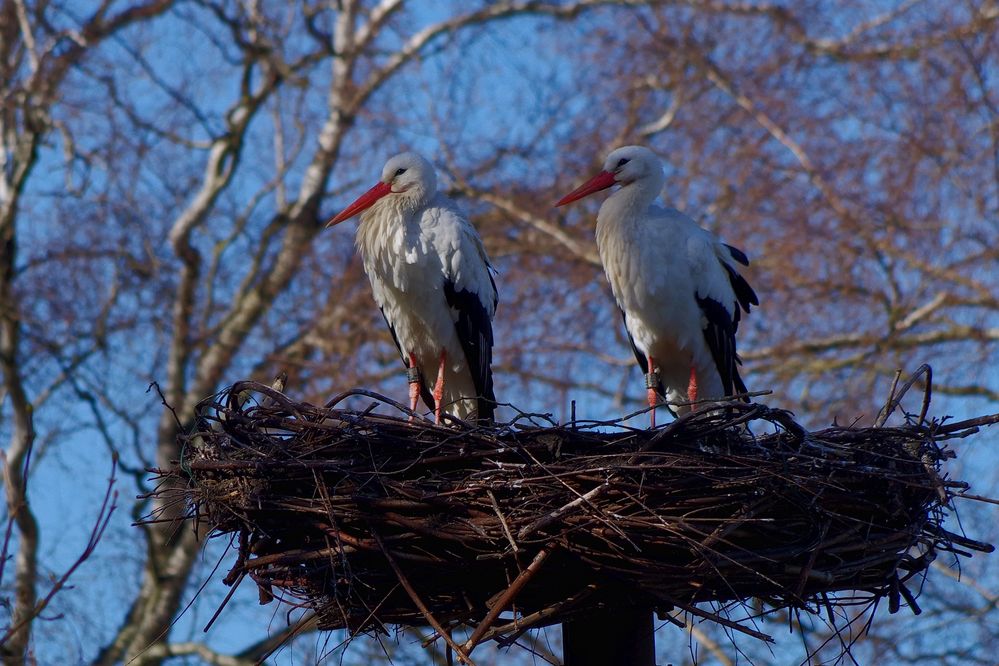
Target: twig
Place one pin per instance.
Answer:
(520, 625)
(431, 620)
(967, 424)
(549, 518)
(977, 498)
(506, 528)
(228, 596)
(895, 398)
(724, 621)
(108, 506)
(889, 405)
(511, 592)
(159, 392)
(926, 395)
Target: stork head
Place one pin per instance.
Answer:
(624, 166)
(408, 180)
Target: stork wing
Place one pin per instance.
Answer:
(719, 333)
(722, 294)
(471, 294)
(475, 332)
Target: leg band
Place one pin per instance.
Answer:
(652, 380)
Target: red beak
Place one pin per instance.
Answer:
(601, 181)
(363, 202)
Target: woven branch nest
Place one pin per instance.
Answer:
(375, 520)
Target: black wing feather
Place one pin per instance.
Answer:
(719, 333)
(744, 294)
(395, 338)
(489, 272)
(721, 326)
(737, 254)
(475, 332)
(425, 392)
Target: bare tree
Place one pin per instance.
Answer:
(35, 60)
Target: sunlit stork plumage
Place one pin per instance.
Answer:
(678, 286)
(431, 278)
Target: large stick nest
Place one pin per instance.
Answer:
(375, 520)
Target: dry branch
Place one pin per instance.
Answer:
(373, 519)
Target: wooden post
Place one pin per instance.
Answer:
(621, 635)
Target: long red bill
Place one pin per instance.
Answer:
(601, 181)
(363, 202)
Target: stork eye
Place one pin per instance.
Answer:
(399, 172)
(621, 162)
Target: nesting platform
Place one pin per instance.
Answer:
(374, 520)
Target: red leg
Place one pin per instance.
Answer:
(439, 387)
(651, 382)
(692, 387)
(413, 374)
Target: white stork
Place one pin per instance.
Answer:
(678, 286)
(431, 278)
